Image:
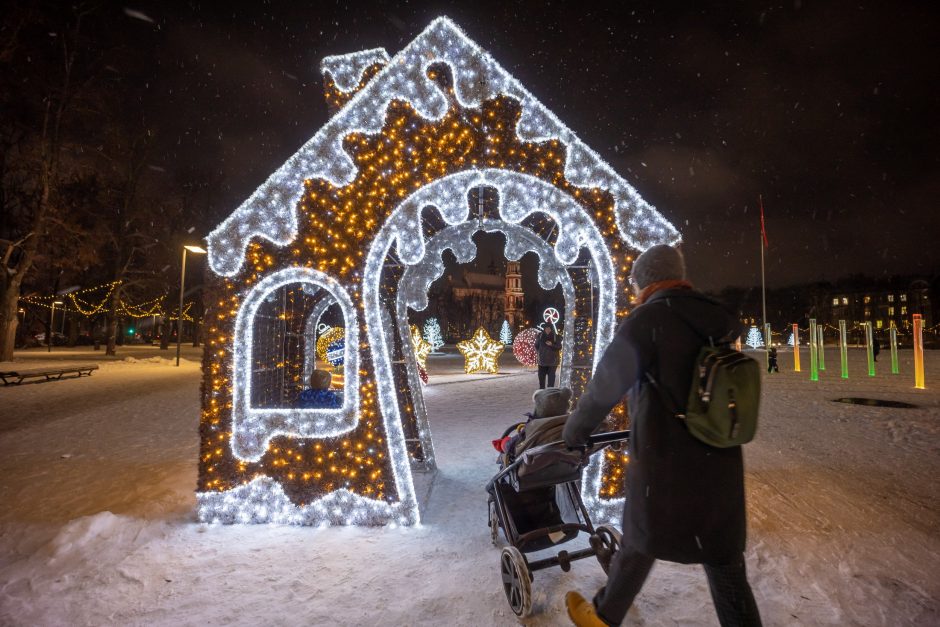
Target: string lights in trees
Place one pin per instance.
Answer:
(481, 353)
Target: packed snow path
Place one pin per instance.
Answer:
(97, 525)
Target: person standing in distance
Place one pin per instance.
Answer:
(684, 498)
(547, 347)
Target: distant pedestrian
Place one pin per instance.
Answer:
(547, 347)
(684, 499)
(875, 347)
(772, 359)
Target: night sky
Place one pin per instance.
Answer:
(827, 109)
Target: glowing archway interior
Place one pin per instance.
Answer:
(520, 196)
(411, 131)
(417, 279)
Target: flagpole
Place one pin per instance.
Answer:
(763, 285)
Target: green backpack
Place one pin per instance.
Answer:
(724, 400)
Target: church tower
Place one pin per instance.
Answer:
(514, 295)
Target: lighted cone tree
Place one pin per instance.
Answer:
(409, 140)
(505, 334)
(481, 353)
(754, 340)
(433, 335)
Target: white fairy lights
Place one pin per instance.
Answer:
(331, 216)
(269, 211)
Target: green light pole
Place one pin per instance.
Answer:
(822, 347)
(813, 351)
(894, 350)
(870, 349)
(843, 350)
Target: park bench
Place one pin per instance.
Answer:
(52, 373)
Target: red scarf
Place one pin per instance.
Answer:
(652, 288)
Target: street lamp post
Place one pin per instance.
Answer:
(196, 250)
(51, 322)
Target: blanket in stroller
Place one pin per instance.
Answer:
(526, 435)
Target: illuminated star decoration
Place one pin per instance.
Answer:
(422, 348)
(481, 353)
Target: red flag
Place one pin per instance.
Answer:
(763, 231)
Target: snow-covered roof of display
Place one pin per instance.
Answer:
(270, 212)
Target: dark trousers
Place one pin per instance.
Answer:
(549, 372)
(728, 584)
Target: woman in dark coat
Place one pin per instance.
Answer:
(547, 347)
(684, 498)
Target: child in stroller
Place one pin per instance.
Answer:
(545, 424)
(535, 498)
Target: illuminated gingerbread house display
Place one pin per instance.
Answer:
(423, 150)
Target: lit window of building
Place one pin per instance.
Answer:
(903, 298)
(903, 311)
(867, 299)
(879, 324)
(890, 311)
(845, 300)
(835, 301)
(868, 313)
(890, 298)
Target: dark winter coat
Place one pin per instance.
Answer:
(547, 348)
(684, 499)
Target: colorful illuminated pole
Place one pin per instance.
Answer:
(919, 352)
(796, 348)
(813, 362)
(894, 349)
(843, 350)
(870, 349)
(822, 348)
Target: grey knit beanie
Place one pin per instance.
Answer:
(658, 263)
(551, 402)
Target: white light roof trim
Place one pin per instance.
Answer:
(270, 212)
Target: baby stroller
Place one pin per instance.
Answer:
(535, 499)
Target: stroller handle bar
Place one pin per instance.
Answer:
(596, 442)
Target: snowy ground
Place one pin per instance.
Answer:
(97, 520)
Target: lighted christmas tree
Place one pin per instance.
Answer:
(790, 339)
(432, 334)
(754, 340)
(505, 335)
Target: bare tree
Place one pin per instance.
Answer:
(34, 136)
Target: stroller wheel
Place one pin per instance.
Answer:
(517, 583)
(605, 542)
(494, 523)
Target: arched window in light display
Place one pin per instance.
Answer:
(272, 354)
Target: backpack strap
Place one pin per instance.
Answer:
(667, 400)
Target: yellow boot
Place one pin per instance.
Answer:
(582, 612)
